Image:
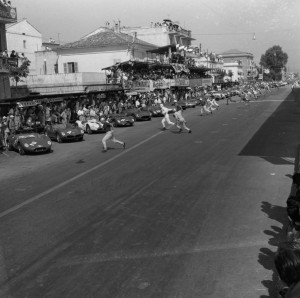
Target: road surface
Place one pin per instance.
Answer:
(173, 215)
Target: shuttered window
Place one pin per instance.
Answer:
(70, 67)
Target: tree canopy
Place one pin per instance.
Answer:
(275, 60)
(17, 72)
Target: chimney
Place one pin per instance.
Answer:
(134, 36)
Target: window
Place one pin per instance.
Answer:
(70, 67)
(24, 44)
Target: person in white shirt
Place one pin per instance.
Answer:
(165, 111)
(80, 114)
(180, 121)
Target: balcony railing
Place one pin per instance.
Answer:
(7, 63)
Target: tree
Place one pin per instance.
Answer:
(275, 60)
(18, 72)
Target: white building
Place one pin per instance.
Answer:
(100, 49)
(22, 37)
(236, 68)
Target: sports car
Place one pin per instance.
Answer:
(121, 120)
(182, 103)
(155, 111)
(64, 132)
(27, 141)
(138, 115)
(90, 126)
(191, 103)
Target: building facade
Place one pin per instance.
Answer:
(161, 34)
(244, 59)
(99, 50)
(8, 15)
(236, 69)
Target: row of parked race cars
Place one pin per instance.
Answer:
(38, 139)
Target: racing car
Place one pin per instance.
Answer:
(121, 120)
(90, 126)
(26, 141)
(138, 115)
(155, 111)
(64, 132)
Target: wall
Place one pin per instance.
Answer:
(93, 61)
(50, 57)
(4, 81)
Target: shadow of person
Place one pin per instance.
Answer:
(277, 236)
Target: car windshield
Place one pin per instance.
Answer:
(27, 136)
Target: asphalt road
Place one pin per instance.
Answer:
(173, 215)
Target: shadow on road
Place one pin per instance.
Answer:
(277, 139)
(277, 238)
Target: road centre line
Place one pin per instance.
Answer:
(60, 185)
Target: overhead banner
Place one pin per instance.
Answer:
(7, 14)
(142, 86)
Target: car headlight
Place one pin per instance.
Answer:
(63, 134)
(26, 145)
(137, 115)
(82, 131)
(49, 143)
(119, 120)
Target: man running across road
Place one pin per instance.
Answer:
(180, 121)
(165, 111)
(109, 134)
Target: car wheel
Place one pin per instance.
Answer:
(88, 130)
(58, 138)
(115, 124)
(81, 139)
(21, 150)
(10, 147)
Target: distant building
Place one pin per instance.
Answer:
(244, 59)
(236, 70)
(99, 49)
(8, 15)
(161, 33)
(22, 37)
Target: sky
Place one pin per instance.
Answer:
(217, 25)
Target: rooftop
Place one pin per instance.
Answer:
(105, 37)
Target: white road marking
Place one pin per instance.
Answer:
(60, 185)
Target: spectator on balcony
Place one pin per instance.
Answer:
(13, 54)
(5, 54)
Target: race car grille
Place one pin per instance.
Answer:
(40, 149)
